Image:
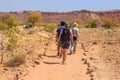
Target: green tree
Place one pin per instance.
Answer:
(34, 18)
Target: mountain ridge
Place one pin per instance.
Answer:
(56, 17)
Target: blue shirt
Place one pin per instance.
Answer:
(59, 30)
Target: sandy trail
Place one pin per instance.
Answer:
(51, 68)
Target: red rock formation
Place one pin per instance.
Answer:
(56, 17)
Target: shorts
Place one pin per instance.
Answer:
(74, 38)
(65, 44)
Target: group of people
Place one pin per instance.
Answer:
(66, 38)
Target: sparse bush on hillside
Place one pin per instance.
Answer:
(108, 23)
(12, 39)
(10, 31)
(3, 26)
(10, 21)
(91, 24)
(50, 27)
(17, 59)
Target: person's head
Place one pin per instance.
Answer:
(75, 24)
(62, 23)
(66, 24)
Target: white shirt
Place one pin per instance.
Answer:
(74, 31)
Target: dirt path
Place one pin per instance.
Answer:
(52, 69)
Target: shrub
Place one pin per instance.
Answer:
(91, 24)
(10, 21)
(50, 27)
(108, 23)
(3, 26)
(17, 59)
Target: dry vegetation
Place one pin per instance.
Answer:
(102, 48)
(27, 54)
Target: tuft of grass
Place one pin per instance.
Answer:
(17, 59)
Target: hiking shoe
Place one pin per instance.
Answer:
(71, 52)
(59, 54)
(63, 62)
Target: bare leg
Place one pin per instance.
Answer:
(74, 49)
(64, 53)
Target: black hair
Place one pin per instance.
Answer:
(62, 23)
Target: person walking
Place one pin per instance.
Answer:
(75, 38)
(60, 27)
(64, 39)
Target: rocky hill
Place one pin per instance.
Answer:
(51, 17)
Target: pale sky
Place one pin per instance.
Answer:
(58, 5)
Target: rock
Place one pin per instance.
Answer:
(6, 69)
(37, 62)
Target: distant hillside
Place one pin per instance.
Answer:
(51, 17)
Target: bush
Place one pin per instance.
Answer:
(91, 24)
(50, 27)
(17, 59)
(3, 26)
(108, 23)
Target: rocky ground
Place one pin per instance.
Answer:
(97, 58)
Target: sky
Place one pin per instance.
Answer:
(58, 5)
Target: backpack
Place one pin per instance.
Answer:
(74, 38)
(65, 36)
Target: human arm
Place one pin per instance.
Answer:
(60, 35)
(71, 36)
(77, 33)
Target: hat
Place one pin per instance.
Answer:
(75, 24)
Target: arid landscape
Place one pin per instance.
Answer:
(97, 56)
(56, 17)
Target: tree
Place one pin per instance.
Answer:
(34, 18)
(10, 21)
